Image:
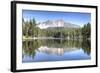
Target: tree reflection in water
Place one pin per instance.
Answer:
(86, 46)
(56, 47)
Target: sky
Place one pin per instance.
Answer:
(71, 17)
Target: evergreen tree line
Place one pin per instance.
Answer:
(31, 30)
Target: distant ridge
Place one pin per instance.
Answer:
(56, 23)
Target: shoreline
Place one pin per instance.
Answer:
(52, 38)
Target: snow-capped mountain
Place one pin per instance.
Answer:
(56, 23)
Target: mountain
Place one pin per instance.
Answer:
(57, 23)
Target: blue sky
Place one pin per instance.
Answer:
(71, 17)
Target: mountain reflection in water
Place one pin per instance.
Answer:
(55, 50)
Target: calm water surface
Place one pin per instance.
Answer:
(55, 50)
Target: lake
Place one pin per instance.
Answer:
(46, 50)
